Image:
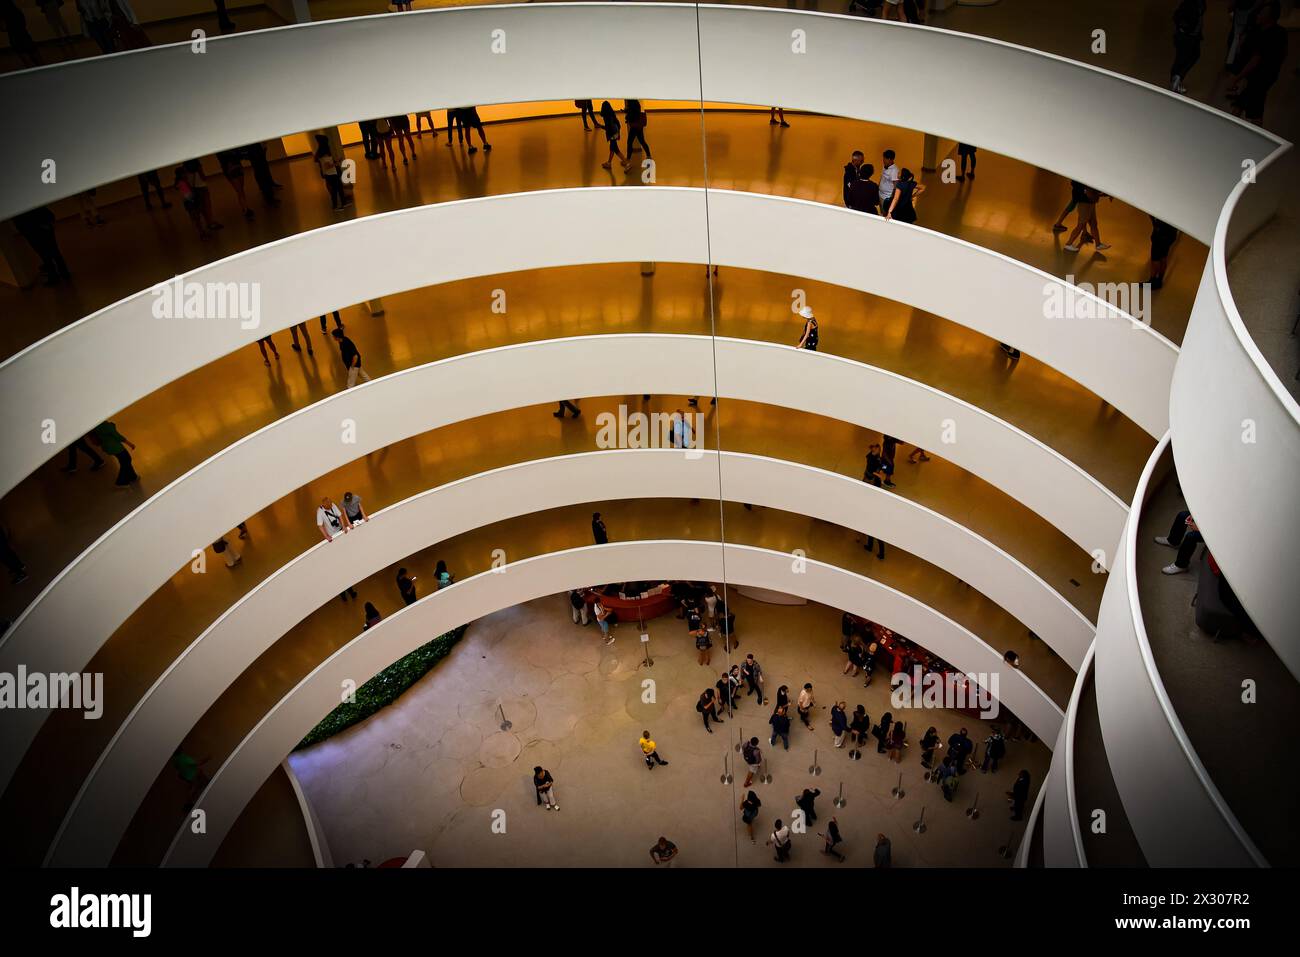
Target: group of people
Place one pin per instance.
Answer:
(893, 196)
(1255, 51)
(606, 120)
(348, 350)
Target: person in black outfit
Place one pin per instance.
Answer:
(81, 445)
(960, 747)
(832, 837)
(860, 725)
(863, 194)
(852, 172)
(1018, 795)
(1189, 20)
(255, 153)
(1258, 65)
(338, 322)
(902, 204)
(566, 404)
(469, 121)
(37, 227)
(406, 586)
(1162, 240)
(636, 120)
(598, 530)
(928, 744)
(966, 154)
(586, 109)
(613, 128)
(806, 802)
(882, 731)
(147, 179)
(707, 706)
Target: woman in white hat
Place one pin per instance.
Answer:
(809, 338)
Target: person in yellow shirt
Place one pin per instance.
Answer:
(648, 749)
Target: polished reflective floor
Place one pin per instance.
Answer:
(286, 663)
(65, 750)
(54, 516)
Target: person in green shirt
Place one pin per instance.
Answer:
(113, 442)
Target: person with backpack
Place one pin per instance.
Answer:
(613, 130)
(753, 756)
(780, 840)
(995, 749)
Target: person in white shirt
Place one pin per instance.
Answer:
(331, 521)
(780, 839)
(805, 705)
(888, 177)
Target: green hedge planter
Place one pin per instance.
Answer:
(384, 688)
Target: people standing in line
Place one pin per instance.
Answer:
(966, 154)
(805, 705)
(860, 726)
(995, 749)
(947, 777)
(578, 606)
(372, 616)
(839, 723)
(754, 762)
(587, 110)
(636, 118)
(406, 587)
(613, 130)
(832, 838)
(1184, 536)
(36, 226)
(114, 443)
(883, 854)
(780, 722)
(232, 167)
(888, 179)
(779, 839)
(852, 172)
(9, 558)
(707, 706)
(776, 117)
(881, 732)
(567, 405)
(603, 620)
(902, 205)
(897, 741)
(650, 750)
(863, 195)
(1189, 28)
(1162, 240)
(809, 337)
(1256, 69)
(749, 806)
(296, 328)
(150, 178)
(351, 356)
(807, 802)
(1018, 795)
(262, 343)
(81, 445)
(544, 783)
(598, 530)
(752, 672)
(928, 744)
(330, 173)
(353, 509)
(470, 122)
(664, 852)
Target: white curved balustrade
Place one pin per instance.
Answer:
(284, 726)
(1062, 838)
(973, 89)
(1177, 814)
(1025, 851)
(1126, 363)
(120, 570)
(113, 790)
(1236, 440)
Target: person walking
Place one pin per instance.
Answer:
(776, 117)
(114, 443)
(965, 155)
(81, 445)
(752, 672)
(587, 110)
(470, 122)
(636, 118)
(1163, 236)
(809, 337)
(703, 644)
(227, 551)
(839, 723)
(1086, 225)
(749, 806)
(441, 576)
(613, 129)
(330, 173)
(832, 838)
(780, 840)
(567, 405)
(805, 705)
(232, 167)
(807, 802)
(578, 606)
(650, 750)
(780, 722)
(1189, 28)
(545, 785)
(148, 179)
(36, 226)
(707, 706)
(406, 587)
(1018, 795)
(351, 356)
(754, 762)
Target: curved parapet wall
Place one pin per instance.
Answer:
(234, 92)
(1236, 428)
(1123, 361)
(1062, 840)
(125, 565)
(122, 776)
(1166, 791)
(284, 726)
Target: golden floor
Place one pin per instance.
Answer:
(148, 642)
(287, 662)
(1009, 208)
(53, 516)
